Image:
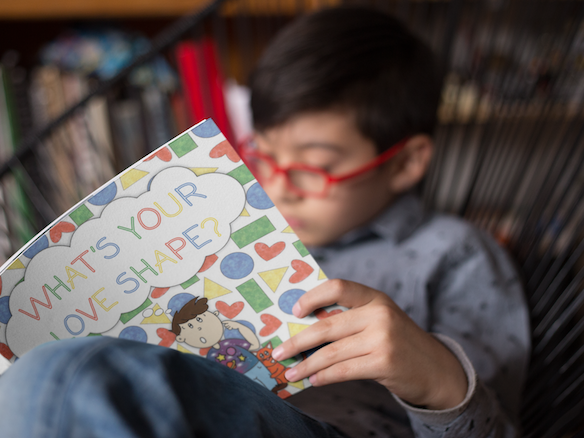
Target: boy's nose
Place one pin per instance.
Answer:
(277, 189)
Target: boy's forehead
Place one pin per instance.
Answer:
(326, 130)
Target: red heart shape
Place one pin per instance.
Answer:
(5, 351)
(224, 148)
(163, 154)
(302, 269)
(269, 252)
(204, 351)
(209, 261)
(158, 292)
(283, 394)
(271, 324)
(229, 311)
(167, 337)
(58, 230)
(323, 314)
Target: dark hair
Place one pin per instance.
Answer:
(354, 59)
(190, 310)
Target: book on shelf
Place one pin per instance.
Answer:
(15, 211)
(202, 82)
(185, 229)
(56, 154)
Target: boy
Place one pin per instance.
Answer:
(332, 93)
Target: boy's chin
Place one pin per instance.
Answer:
(311, 240)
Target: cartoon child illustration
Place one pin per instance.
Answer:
(196, 326)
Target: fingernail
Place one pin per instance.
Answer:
(296, 310)
(291, 374)
(278, 353)
(312, 379)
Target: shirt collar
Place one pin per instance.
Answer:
(395, 224)
(398, 222)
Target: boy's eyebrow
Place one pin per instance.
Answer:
(321, 145)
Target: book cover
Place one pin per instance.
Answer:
(184, 249)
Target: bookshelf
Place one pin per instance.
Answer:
(64, 9)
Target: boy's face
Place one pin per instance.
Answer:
(203, 331)
(331, 141)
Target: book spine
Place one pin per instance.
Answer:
(156, 109)
(19, 212)
(99, 132)
(215, 86)
(188, 54)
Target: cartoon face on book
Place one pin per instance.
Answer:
(184, 250)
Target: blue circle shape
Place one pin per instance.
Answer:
(105, 196)
(150, 183)
(235, 334)
(38, 246)
(134, 334)
(257, 198)
(206, 129)
(288, 299)
(5, 314)
(178, 301)
(237, 265)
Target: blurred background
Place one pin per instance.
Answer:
(89, 87)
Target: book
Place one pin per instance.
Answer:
(185, 229)
(189, 56)
(215, 85)
(56, 171)
(16, 215)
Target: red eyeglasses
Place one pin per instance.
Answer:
(302, 179)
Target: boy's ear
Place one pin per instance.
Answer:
(410, 165)
(216, 313)
(180, 338)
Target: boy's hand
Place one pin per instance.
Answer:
(245, 331)
(230, 325)
(374, 340)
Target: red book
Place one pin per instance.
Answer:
(215, 83)
(189, 57)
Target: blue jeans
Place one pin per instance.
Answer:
(106, 387)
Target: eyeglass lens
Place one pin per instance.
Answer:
(304, 180)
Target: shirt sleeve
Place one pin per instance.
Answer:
(477, 303)
(478, 415)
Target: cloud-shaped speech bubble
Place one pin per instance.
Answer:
(159, 239)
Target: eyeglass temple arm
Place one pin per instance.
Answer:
(385, 156)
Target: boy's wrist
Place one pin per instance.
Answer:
(456, 389)
(452, 385)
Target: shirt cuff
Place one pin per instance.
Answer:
(445, 416)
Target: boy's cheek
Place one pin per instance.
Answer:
(321, 221)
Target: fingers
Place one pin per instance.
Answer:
(342, 292)
(354, 337)
(327, 330)
(337, 352)
(353, 369)
(377, 318)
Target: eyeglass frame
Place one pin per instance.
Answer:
(245, 151)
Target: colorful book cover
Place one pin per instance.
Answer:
(184, 249)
